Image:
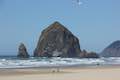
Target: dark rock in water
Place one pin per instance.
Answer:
(57, 41)
(85, 54)
(22, 51)
(92, 55)
(113, 50)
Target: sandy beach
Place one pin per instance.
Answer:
(92, 73)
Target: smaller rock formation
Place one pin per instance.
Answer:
(85, 54)
(113, 50)
(22, 51)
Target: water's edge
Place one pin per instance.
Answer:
(32, 62)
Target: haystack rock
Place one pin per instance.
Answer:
(113, 50)
(57, 41)
(22, 51)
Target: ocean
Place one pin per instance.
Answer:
(32, 62)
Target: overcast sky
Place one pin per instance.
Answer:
(95, 22)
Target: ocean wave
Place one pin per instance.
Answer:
(53, 62)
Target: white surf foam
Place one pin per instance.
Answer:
(49, 62)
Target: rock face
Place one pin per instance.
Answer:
(57, 41)
(113, 50)
(22, 51)
(85, 54)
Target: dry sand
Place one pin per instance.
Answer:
(96, 73)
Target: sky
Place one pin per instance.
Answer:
(95, 22)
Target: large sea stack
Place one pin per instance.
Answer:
(57, 41)
(113, 50)
(22, 51)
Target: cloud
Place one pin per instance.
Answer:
(79, 2)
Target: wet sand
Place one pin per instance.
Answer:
(70, 73)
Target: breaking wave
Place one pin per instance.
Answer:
(12, 62)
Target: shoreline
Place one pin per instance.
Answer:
(53, 69)
(66, 73)
(69, 66)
